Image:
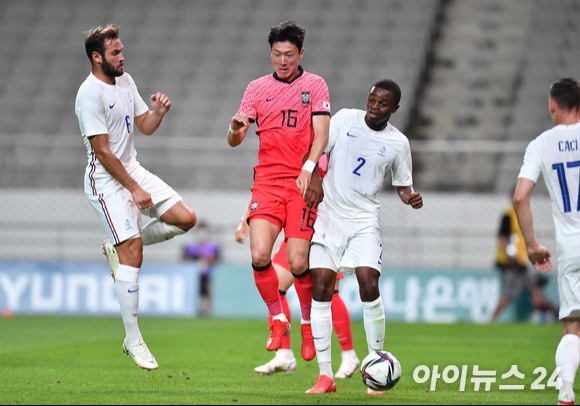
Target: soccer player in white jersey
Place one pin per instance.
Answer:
(363, 149)
(556, 155)
(109, 108)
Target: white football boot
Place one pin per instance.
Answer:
(280, 363)
(140, 353)
(566, 398)
(108, 250)
(348, 366)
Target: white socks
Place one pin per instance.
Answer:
(374, 322)
(321, 321)
(568, 358)
(157, 230)
(127, 290)
(285, 354)
(349, 354)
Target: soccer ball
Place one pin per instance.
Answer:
(381, 370)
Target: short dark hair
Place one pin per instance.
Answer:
(287, 31)
(389, 85)
(95, 40)
(566, 93)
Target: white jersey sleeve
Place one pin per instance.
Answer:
(403, 166)
(532, 166)
(91, 116)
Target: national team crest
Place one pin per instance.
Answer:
(254, 205)
(305, 97)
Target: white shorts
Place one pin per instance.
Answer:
(118, 212)
(344, 246)
(569, 287)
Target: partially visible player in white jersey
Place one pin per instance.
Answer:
(363, 148)
(555, 154)
(109, 108)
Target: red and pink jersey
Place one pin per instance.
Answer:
(283, 114)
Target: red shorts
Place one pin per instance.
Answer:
(281, 204)
(281, 258)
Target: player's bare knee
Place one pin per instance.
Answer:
(322, 292)
(136, 254)
(369, 291)
(298, 266)
(189, 222)
(131, 252)
(260, 259)
(180, 216)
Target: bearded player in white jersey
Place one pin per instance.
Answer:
(109, 108)
(363, 149)
(555, 154)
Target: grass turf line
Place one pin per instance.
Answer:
(78, 360)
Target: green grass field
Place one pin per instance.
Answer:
(78, 360)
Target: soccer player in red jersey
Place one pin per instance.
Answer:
(291, 108)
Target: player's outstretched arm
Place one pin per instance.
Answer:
(539, 256)
(410, 197)
(238, 128)
(321, 124)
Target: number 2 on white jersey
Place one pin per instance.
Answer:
(362, 162)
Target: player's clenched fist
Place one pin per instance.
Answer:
(415, 200)
(160, 102)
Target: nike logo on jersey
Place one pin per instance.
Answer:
(348, 134)
(112, 105)
(133, 291)
(270, 99)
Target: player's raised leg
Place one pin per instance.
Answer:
(298, 253)
(263, 235)
(284, 360)
(177, 218)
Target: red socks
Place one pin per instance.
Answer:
(266, 280)
(304, 285)
(341, 322)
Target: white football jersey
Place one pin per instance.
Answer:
(108, 109)
(359, 160)
(555, 154)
